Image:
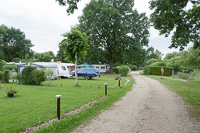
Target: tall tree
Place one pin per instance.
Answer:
(13, 43)
(75, 45)
(114, 26)
(72, 5)
(171, 15)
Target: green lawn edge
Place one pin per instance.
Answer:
(71, 122)
(188, 90)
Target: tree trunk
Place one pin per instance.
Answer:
(111, 65)
(76, 76)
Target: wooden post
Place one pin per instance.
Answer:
(105, 89)
(119, 83)
(58, 106)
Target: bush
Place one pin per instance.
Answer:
(16, 59)
(116, 69)
(19, 78)
(27, 76)
(2, 63)
(133, 67)
(38, 76)
(124, 70)
(183, 75)
(6, 76)
(10, 67)
(146, 71)
(157, 70)
(1, 76)
(195, 75)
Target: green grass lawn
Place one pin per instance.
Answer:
(190, 90)
(72, 97)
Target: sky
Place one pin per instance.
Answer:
(44, 22)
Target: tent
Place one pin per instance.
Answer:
(85, 65)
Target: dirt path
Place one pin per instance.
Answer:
(148, 108)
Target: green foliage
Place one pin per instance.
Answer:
(170, 15)
(183, 75)
(11, 91)
(133, 67)
(38, 76)
(146, 71)
(10, 67)
(19, 78)
(116, 69)
(194, 75)
(157, 70)
(44, 57)
(6, 76)
(107, 24)
(1, 76)
(16, 59)
(27, 76)
(151, 61)
(13, 43)
(159, 63)
(75, 43)
(124, 70)
(49, 74)
(153, 54)
(72, 5)
(2, 63)
(191, 58)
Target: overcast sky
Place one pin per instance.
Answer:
(44, 21)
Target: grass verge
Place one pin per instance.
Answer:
(190, 91)
(69, 123)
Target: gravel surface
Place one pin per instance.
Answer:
(148, 108)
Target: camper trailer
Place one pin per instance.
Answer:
(102, 68)
(59, 69)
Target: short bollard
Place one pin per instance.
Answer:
(119, 83)
(58, 106)
(105, 89)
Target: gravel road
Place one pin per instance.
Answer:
(148, 108)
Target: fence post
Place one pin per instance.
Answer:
(119, 83)
(105, 89)
(58, 106)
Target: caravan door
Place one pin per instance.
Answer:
(63, 71)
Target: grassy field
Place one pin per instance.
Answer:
(36, 104)
(190, 91)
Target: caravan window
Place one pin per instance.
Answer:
(97, 67)
(102, 67)
(63, 68)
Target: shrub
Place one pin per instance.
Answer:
(183, 75)
(146, 71)
(6, 76)
(16, 59)
(133, 67)
(38, 76)
(1, 76)
(11, 91)
(116, 69)
(124, 70)
(27, 76)
(157, 70)
(2, 63)
(195, 75)
(19, 78)
(10, 67)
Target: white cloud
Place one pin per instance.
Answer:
(43, 22)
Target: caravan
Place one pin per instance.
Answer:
(59, 69)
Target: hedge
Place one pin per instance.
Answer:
(116, 69)
(156, 70)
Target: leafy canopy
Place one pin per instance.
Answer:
(13, 43)
(115, 27)
(171, 15)
(75, 42)
(72, 5)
